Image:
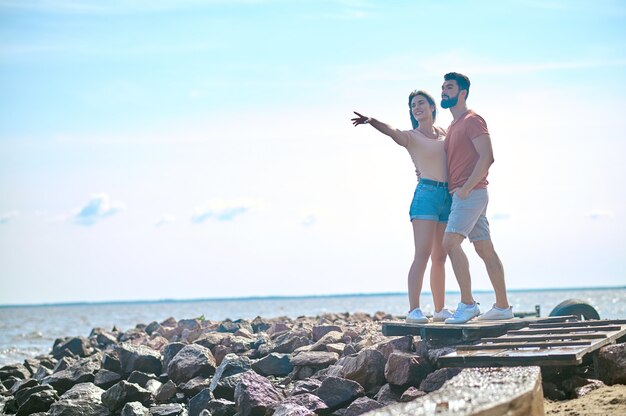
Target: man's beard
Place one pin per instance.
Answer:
(449, 102)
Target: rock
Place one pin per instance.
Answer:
(135, 409)
(153, 386)
(138, 358)
(141, 378)
(277, 329)
(195, 385)
(362, 405)
(292, 409)
(367, 369)
(23, 384)
(22, 395)
(611, 364)
(255, 394)
(318, 331)
(106, 379)
(308, 401)
(168, 352)
(199, 402)
(191, 361)
(552, 392)
(16, 370)
(170, 409)
(388, 394)
(41, 373)
(290, 341)
(316, 359)
(165, 392)
(259, 325)
(411, 394)
(305, 386)
(331, 337)
(578, 386)
(82, 399)
(435, 380)
(404, 369)
(124, 392)
(81, 371)
(39, 401)
(230, 326)
(222, 385)
(111, 362)
(221, 407)
(152, 327)
(337, 392)
(77, 346)
(274, 364)
(398, 344)
(63, 364)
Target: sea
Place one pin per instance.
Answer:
(30, 330)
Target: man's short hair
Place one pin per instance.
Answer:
(462, 81)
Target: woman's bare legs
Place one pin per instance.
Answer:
(438, 268)
(423, 232)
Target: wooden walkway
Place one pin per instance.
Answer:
(541, 343)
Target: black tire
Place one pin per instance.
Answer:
(576, 307)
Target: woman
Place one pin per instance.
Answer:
(431, 201)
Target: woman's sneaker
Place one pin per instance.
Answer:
(416, 317)
(463, 313)
(442, 315)
(496, 314)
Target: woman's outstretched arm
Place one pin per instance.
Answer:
(398, 136)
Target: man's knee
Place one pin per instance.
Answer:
(484, 249)
(451, 241)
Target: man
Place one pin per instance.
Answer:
(469, 153)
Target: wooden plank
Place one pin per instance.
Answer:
(578, 323)
(508, 338)
(529, 344)
(563, 330)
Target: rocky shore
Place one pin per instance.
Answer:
(334, 364)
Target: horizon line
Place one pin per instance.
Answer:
(286, 297)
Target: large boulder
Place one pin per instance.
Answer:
(435, 380)
(191, 361)
(82, 399)
(77, 346)
(14, 370)
(81, 371)
(404, 369)
(124, 392)
(274, 364)
(36, 399)
(611, 364)
(255, 395)
(138, 358)
(338, 392)
(224, 381)
(367, 369)
(135, 409)
(362, 405)
(168, 409)
(168, 352)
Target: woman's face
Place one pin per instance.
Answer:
(421, 109)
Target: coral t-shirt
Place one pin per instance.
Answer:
(461, 153)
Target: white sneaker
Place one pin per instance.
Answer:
(416, 317)
(442, 315)
(464, 313)
(495, 314)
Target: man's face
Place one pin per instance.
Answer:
(449, 94)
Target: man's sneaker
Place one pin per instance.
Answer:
(416, 317)
(463, 313)
(495, 314)
(442, 315)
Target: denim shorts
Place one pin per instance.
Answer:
(431, 201)
(469, 216)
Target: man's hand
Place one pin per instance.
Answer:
(361, 119)
(460, 192)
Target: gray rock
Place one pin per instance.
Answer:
(77, 346)
(406, 369)
(141, 378)
(318, 331)
(166, 392)
(367, 369)
(81, 371)
(274, 364)
(22, 395)
(192, 361)
(39, 401)
(435, 380)
(411, 394)
(292, 409)
(23, 384)
(255, 394)
(611, 364)
(333, 337)
(290, 341)
(309, 401)
(398, 344)
(135, 409)
(388, 394)
(16, 370)
(106, 379)
(199, 402)
(111, 362)
(170, 409)
(138, 358)
(82, 399)
(305, 386)
(222, 407)
(168, 352)
(194, 386)
(124, 392)
(316, 359)
(223, 383)
(362, 405)
(337, 392)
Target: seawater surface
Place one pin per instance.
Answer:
(28, 331)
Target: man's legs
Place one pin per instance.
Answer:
(495, 270)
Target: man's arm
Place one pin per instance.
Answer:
(398, 136)
(482, 144)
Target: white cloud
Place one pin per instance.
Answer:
(598, 214)
(8, 216)
(98, 207)
(309, 220)
(224, 210)
(164, 220)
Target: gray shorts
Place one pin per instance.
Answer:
(468, 216)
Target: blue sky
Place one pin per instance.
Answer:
(185, 149)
